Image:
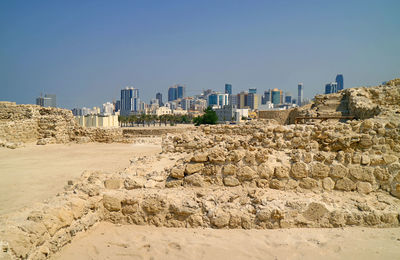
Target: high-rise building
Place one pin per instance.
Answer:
(130, 101)
(241, 99)
(47, 101)
(159, 98)
(172, 93)
(339, 81)
(253, 100)
(181, 91)
(228, 89)
(252, 91)
(176, 92)
(331, 88)
(266, 97)
(217, 99)
(300, 90)
(117, 105)
(288, 98)
(277, 96)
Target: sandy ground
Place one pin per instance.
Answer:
(109, 241)
(35, 173)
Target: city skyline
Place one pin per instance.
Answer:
(86, 52)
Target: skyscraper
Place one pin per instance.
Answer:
(277, 96)
(228, 89)
(253, 100)
(339, 81)
(159, 98)
(130, 101)
(47, 101)
(331, 88)
(181, 91)
(266, 97)
(175, 92)
(288, 98)
(300, 90)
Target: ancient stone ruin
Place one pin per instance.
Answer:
(258, 175)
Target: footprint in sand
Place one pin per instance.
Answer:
(175, 245)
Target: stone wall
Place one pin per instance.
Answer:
(43, 125)
(283, 117)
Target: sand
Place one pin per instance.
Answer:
(35, 173)
(109, 241)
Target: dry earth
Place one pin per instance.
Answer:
(109, 241)
(45, 170)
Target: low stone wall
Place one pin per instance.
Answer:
(154, 131)
(283, 117)
(44, 125)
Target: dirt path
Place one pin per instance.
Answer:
(34, 173)
(108, 241)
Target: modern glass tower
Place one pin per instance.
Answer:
(300, 90)
(228, 89)
(159, 99)
(129, 100)
(339, 81)
(181, 91)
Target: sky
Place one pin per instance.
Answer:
(85, 52)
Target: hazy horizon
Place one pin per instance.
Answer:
(85, 52)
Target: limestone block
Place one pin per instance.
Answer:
(135, 182)
(193, 167)
(364, 187)
(246, 173)
(229, 169)
(231, 181)
(319, 170)
(328, 184)
(277, 184)
(389, 158)
(194, 180)
(265, 171)
(315, 211)
(173, 183)
(177, 172)
(263, 215)
(345, 184)
(219, 218)
(381, 174)
(200, 157)
(153, 204)
(338, 171)
(394, 168)
(112, 184)
(308, 183)
(362, 173)
(281, 172)
(111, 202)
(299, 170)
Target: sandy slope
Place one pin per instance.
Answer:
(34, 173)
(108, 241)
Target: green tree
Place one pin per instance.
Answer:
(209, 118)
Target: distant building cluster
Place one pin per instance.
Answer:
(228, 105)
(336, 86)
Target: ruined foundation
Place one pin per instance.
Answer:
(258, 175)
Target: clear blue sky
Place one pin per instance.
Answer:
(86, 51)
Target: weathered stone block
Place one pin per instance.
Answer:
(193, 167)
(299, 170)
